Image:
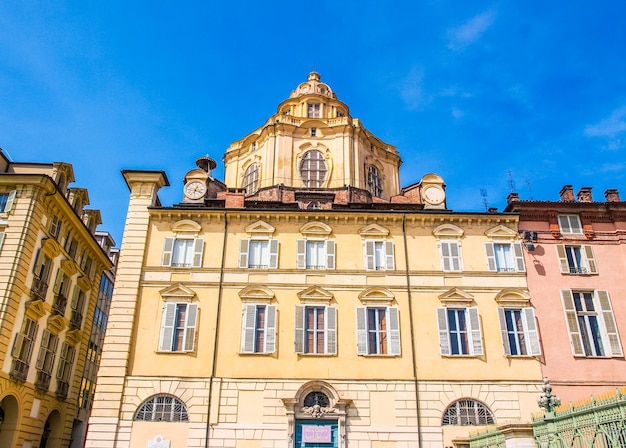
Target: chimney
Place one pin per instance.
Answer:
(612, 195)
(584, 195)
(567, 194)
(512, 197)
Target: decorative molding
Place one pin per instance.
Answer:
(84, 283)
(57, 323)
(69, 267)
(316, 228)
(315, 294)
(513, 297)
(376, 294)
(373, 230)
(186, 226)
(448, 231)
(501, 232)
(257, 293)
(51, 247)
(35, 309)
(178, 292)
(260, 227)
(456, 296)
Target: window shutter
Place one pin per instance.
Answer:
(560, 252)
(369, 255)
(491, 257)
(247, 328)
(2, 234)
(504, 331)
(591, 261)
(532, 335)
(244, 245)
(519, 257)
(270, 329)
(476, 344)
(198, 248)
(37, 264)
(273, 264)
(299, 330)
(393, 341)
(58, 282)
(190, 327)
(41, 357)
(75, 298)
(10, 201)
(168, 247)
(445, 255)
(301, 254)
(361, 330)
(331, 330)
(17, 346)
(609, 323)
(330, 254)
(167, 327)
(572, 322)
(444, 338)
(389, 256)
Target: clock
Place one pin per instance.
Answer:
(433, 195)
(195, 189)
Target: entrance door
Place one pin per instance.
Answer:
(316, 434)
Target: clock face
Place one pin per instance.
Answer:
(195, 189)
(434, 195)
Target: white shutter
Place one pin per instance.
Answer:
(444, 252)
(444, 336)
(504, 331)
(572, 322)
(591, 261)
(10, 201)
(301, 254)
(519, 257)
(198, 248)
(244, 246)
(560, 252)
(248, 328)
(190, 327)
(473, 321)
(610, 325)
(491, 257)
(167, 327)
(393, 329)
(455, 252)
(331, 329)
(273, 262)
(532, 335)
(361, 330)
(368, 254)
(270, 328)
(330, 254)
(168, 247)
(299, 329)
(389, 256)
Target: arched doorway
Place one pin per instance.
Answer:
(52, 431)
(9, 416)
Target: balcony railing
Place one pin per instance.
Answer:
(315, 266)
(59, 305)
(19, 370)
(578, 270)
(506, 269)
(62, 390)
(76, 321)
(42, 382)
(258, 266)
(39, 289)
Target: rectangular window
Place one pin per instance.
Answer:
(7, 200)
(41, 271)
(55, 226)
(313, 254)
(22, 349)
(45, 359)
(379, 255)
(313, 110)
(378, 330)
(576, 259)
(313, 132)
(459, 331)
(591, 323)
(519, 332)
(316, 330)
(71, 245)
(505, 257)
(178, 327)
(570, 224)
(450, 252)
(78, 304)
(258, 254)
(61, 292)
(258, 329)
(64, 370)
(182, 253)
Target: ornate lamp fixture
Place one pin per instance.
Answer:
(548, 401)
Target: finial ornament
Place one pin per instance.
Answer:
(548, 401)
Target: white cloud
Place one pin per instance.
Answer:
(471, 30)
(411, 90)
(611, 129)
(457, 113)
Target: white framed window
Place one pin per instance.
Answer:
(459, 331)
(258, 253)
(591, 323)
(378, 330)
(505, 257)
(313, 110)
(45, 359)
(519, 331)
(315, 254)
(316, 329)
(313, 169)
(374, 182)
(450, 253)
(178, 327)
(576, 259)
(258, 329)
(467, 412)
(379, 255)
(182, 252)
(7, 200)
(22, 349)
(570, 225)
(251, 179)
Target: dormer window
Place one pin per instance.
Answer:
(313, 110)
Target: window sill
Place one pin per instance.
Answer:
(315, 355)
(381, 355)
(461, 356)
(255, 353)
(173, 352)
(522, 356)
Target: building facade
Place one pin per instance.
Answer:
(308, 300)
(50, 270)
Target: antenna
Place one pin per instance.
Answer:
(511, 181)
(483, 193)
(530, 190)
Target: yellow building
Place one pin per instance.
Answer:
(50, 270)
(309, 301)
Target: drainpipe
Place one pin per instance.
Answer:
(412, 325)
(217, 327)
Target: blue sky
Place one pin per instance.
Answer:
(483, 93)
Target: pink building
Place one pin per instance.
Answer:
(576, 265)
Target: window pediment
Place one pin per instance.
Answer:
(257, 293)
(513, 297)
(448, 231)
(260, 227)
(501, 232)
(456, 296)
(374, 230)
(178, 292)
(315, 228)
(56, 323)
(376, 294)
(315, 294)
(84, 283)
(186, 226)
(35, 309)
(51, 247)
(69, 267)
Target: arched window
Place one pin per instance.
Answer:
(467, 412)
(316, 398)
(162, 408)
(313, 169)
(251, 179)
(374, 182)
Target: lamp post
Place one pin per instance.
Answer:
(549, 402)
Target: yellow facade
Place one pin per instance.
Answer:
(265, 313)
(50, 269)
